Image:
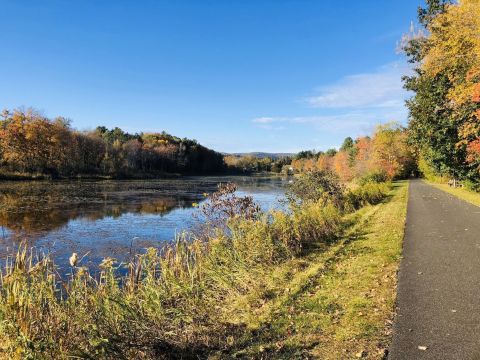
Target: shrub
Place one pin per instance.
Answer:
(308, 225)
(316, 186)
(373, 177)
(472, 185)
(367, 194)
(316, 223)
(429, 173)
(222, 206)
(254, 243)
(282, 227)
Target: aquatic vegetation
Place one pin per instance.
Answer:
(172, 302)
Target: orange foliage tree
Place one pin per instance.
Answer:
(387, 152)
(390, 151)
(341, 165)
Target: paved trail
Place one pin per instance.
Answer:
(439, 279)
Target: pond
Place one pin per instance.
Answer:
(111, 218)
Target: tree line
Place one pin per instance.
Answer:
(250, 163)
(34, 144)
(385, 154)
(444, 121)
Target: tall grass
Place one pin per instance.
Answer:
(171, 301)
(368, 194)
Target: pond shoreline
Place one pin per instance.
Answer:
(13, 176)
(8, 176)
(106, 216)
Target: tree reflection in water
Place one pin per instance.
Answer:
(107, 218)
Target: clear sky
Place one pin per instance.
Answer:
(237, 75)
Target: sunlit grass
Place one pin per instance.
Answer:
(281, 285)
(335, 303)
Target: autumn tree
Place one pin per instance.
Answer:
(325, 162)
(33, 143)
(363, 162)
(390, 151)
(444, 112)
(342, 165)
(386, 154)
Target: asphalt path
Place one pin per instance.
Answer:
(438, 301)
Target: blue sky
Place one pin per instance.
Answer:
(237, 75)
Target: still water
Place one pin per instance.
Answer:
(111, 218)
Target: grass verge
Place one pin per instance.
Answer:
(335, 303)
(464, 194)
(316, 282)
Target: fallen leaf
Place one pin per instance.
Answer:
(360, 354)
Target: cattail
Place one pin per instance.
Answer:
(107, 263)
(73, 259)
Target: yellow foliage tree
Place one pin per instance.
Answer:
(391, 153)
(454, 50)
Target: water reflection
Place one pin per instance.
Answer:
(109, 218)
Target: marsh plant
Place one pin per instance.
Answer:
(173, 302)
(221, 207)
(317, 186)
(325, 188)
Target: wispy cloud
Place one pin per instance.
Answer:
(265, 120)
(353, 122)
(352, 106)
(379, 89)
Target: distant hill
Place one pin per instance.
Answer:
(262, 155)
